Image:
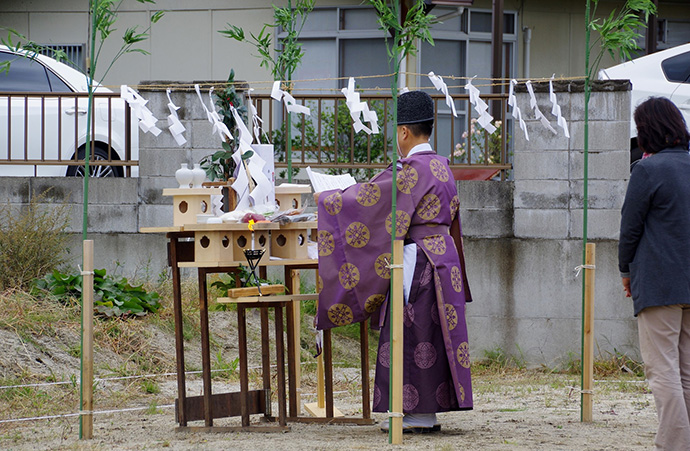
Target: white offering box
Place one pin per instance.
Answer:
(189, 202)
(290, 241)
(227, 242)
(290, 196)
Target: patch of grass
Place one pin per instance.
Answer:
(229, 369)
(33, 240)
(150, 387)
(497, 360)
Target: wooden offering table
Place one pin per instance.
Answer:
(186, 250)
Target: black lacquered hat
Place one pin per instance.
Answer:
(414, 107)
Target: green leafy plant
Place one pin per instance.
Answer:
(33, 240)
(416, 26)
(289, 20)
(113, 297)
(220, 165)
(619, 32)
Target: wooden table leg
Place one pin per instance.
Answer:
(179, 337)
(205, 348)
(328, 363)
(292, 382)
(266, 357)
(364, 349)
(280, 362)
(292, 282)
(244, 373)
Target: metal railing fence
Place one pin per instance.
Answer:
(49, 129)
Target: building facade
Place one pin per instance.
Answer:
(340, 38)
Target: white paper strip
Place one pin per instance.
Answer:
(537, 112)
(556, 109)
(359, 109)
(517, 114)
(481, 107)
(147, 121)
(290, 104)
(440, 85)
(175, 127)
(218, 126)
(257, 122)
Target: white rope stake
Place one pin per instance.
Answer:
(578, 269)
(395, 414)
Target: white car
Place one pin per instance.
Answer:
(665, 74)
(44, 128)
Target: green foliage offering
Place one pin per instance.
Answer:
(33, 241)
(113, 297)
(220, 165)
(619, 32)
(290, 21)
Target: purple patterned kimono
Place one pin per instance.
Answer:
(354, 250)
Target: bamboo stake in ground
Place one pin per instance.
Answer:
(588, 348)
(396, 320)
(87, 342)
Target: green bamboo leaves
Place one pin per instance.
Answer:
(620, 31)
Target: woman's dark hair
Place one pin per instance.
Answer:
(421, 128)
(660, 125)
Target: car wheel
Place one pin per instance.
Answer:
(99, 154)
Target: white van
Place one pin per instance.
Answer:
(41, 127)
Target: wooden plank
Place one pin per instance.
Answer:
(271, 298)
(160, 229)
(280, 364)
(333, 420)
(231, 226)
(244, 373)
(87, 343)
(295, 356)
(173, 246)
(205, 349)
(192, 191)
(254, 291)
(300, 225)
(396, 367)
(588, 324)
(226, 429)
(307, 263)
(224, 405)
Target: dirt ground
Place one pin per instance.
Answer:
(526, 410)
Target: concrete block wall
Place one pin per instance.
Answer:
(522, 237)
(527, 299)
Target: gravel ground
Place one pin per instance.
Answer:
(522, 411)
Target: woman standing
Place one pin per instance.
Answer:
(654, 261)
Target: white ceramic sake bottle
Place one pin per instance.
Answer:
(184, 176)
(199, 175)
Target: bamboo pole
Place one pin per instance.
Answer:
(86, 419)
(588, 349)
(396, 321)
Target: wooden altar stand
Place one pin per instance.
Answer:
(182, 241)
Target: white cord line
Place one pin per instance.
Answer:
(139, 376)
(94, 412)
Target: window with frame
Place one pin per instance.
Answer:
(341, 42)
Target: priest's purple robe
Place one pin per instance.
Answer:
(354, 242)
